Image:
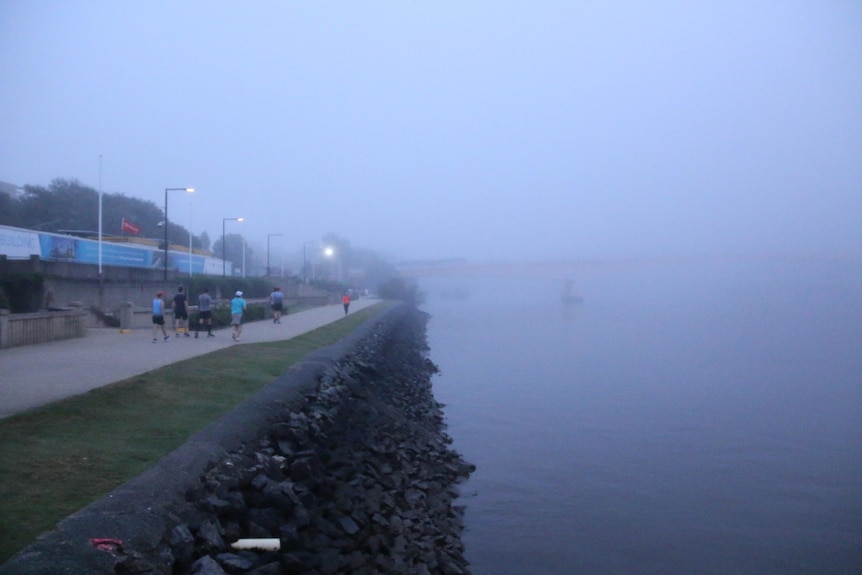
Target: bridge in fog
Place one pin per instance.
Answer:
(457, 267)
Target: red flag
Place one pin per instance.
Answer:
(130, 227)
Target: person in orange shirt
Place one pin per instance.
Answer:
(345, 299)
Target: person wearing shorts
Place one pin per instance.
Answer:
(205, 314)
(181, 313)
(276, 300)
(159, 317)
(237, 306)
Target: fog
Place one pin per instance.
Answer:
(484, 130)
(688, 417)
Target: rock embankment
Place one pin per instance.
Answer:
(360, 481)
(343, 460)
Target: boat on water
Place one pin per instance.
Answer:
(568, 296)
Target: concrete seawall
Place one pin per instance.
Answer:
(174, 518)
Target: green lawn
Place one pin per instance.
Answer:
(57, 459)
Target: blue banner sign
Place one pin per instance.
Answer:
(18, 243)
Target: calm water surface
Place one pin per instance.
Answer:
(686, 418)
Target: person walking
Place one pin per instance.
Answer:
(276, 301)
(237, 306)
(205, 314)
(159, 316)
(181, 313)
(345, 300)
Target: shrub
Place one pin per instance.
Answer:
(221, 315)
(398, 288)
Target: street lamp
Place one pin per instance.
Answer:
(166, 224)
(267, 251)
(224, 241)
(190, 237)
(305, 262)
(330, 253)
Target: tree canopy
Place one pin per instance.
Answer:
(67, 205)
(233, 249)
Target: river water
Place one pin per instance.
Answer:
(698, 417)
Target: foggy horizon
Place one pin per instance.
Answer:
(540, 132)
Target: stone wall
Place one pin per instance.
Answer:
(32, 328)
(343, 459)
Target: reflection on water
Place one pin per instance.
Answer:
(682, 419)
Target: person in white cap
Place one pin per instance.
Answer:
(237, 306)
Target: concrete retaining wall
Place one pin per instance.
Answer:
(81, 285)
(31, 328)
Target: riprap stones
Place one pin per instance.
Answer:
(362, 480)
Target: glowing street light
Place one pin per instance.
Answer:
(330, 253)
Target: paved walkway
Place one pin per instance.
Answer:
(34, 375)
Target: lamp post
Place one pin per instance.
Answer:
(166, 224)
(190, 237)
(330, 253)
(267, 251)
(305, 262)
(223, 242)
(100, 217)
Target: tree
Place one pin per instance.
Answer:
(341, 254)
(400, 289)
(377, 269)
(65, 204)
(144, 214)
(69, 205)
(233, 249)
(8, 209)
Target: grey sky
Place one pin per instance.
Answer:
(502, 130)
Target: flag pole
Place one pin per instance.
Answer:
(190, 236)
(100, 215)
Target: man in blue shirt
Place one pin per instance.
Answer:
(237, 306)
(276, 300)
(159, 316)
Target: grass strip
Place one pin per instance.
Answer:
(57, 459)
